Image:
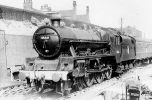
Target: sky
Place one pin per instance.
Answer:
(106, 13)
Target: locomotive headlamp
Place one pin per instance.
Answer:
(46, 51)
(55, 77)
(27, 75)
(45, 37)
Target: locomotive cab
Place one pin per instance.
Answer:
(122, 46)
(128, 48)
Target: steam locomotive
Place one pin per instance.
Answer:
(76, 57)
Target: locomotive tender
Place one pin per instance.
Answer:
(74, 58)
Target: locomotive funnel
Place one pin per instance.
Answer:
(47, 42)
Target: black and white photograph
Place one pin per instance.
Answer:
(75, 50)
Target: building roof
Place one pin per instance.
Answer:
(13, 27)
(19, 9)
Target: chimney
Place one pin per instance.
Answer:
(45, 8)
(74, 6)
(31, 4)
(87, 10)
(28, 4)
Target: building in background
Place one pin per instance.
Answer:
(132, 31)
(72, 14)
(67, 14)
(46, 8)
(17, 29)
(28, 4)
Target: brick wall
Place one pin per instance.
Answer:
(18, 48)
(10, 13)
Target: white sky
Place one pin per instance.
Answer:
(106, 13)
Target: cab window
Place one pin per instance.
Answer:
(112, 39)
(117, 40)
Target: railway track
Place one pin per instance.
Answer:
(93, 88)
(19, 89)
(23, 89)
(99, 89)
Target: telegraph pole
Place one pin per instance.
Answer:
(121, 25)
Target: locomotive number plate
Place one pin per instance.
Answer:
(45, 37)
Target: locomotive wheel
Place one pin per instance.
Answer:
(123, 68)
(89, 81)
(139, 64)
(126, 67)
(130, 65)
(150, 60)
(39, 89)
(80, 85)
(38, 86)
(108, 74)
(66, 92)
(28, 82)
(99, 78)
(83, 82)
(119, 69)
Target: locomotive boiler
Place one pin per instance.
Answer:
(50, 42)
(75, 57)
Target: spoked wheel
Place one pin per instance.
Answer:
(119, 69)
(99, 78)
(66, 92)
(83, 82)
(89, 80)
(130, 65)
(150, 61)
(126, 67)
(28, 81)
(108, 74)
(78, 84)
(38, 86)
(122, 68)
(39, 89)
